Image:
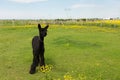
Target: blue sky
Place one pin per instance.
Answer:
(52, 9)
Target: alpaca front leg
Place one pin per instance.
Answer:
(42, 60)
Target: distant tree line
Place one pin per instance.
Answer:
(81, 21)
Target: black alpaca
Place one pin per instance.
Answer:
(38, 49)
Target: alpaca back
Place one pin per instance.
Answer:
(37, 44)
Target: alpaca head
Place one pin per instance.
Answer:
(43, 31)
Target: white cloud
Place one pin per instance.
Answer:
(16, 14)
(27, 1)
(82, 6)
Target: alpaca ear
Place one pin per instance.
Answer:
(39, 26)
(47, 26)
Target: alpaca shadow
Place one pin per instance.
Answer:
(55, 66)
(49, 61)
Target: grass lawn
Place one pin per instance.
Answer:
(81, 53)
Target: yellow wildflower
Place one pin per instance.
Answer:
(67, 77)
(46, 68)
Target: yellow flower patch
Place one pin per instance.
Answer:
(46, 68)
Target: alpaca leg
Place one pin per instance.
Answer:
(35, 62)
(42, 60)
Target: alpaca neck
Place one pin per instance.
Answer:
(41, 39)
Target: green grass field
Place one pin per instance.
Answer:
(80, 53)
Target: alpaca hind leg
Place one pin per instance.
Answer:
(35, 62)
